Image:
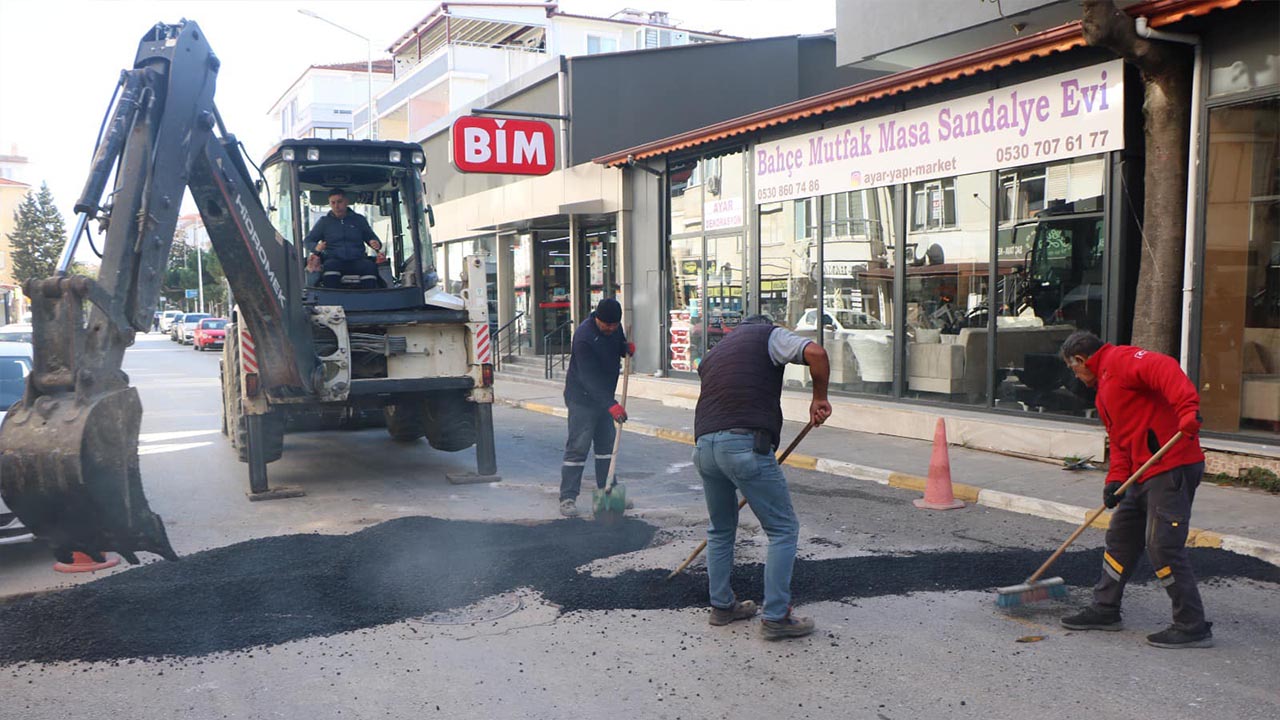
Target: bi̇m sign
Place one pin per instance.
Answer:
(498, 146)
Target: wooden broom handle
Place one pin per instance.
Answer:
(781, 459)
(1094, 515)
(617, 434)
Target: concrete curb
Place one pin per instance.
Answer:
(1048, 509)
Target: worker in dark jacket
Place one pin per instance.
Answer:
(337, 245)
(599, 343)
(737, 424)
(1144, 398)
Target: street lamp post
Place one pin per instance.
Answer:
(368, 58)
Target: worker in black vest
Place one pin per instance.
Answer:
(737, 423)
(337, 245)
(599, 343)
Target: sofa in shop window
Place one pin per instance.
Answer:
(957, 364)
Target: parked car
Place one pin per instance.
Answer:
(860, 347)
(166, 319)
(187, 328)
(15, 365)
(210, 332)
(20, 333)
(174, 324)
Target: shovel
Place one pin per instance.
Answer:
(609, 503)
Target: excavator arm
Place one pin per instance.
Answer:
(68, 450)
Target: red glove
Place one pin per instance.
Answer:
(631, 349)
(1189, 424)
(618, 412)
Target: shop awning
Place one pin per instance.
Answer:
(1066, 37)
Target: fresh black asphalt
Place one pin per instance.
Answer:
(272, 590)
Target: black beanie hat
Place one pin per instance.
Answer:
(609, 311)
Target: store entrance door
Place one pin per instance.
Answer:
(598, 267)
(551, 262)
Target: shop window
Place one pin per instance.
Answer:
(1240, 316)
(857, 291)
(1050, 263)
(933, 205)
(947, 291)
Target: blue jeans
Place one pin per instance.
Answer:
(727, 464)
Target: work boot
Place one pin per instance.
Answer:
(740, 611)
(1092, 618)
(569, 508)
(791, 626)
(1174, 638)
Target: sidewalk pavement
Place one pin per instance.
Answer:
(1237, 519)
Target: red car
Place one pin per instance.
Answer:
(211, 332)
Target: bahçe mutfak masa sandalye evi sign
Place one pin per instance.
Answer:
(502, 146)
(1053, 118)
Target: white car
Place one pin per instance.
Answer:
(859, 345)
(15, 366)
(166, 319)
(186, 329)
(18, 332)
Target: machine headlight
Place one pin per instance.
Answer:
(313, 154)
(394, 156)
(287, 154)
(419, 159)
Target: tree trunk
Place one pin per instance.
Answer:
(1166, 109)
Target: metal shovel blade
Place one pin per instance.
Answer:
(69, 471)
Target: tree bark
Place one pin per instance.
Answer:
(1166, 109)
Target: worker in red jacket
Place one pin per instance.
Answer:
(1144, 398)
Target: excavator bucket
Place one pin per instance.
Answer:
(69, 448)
(69, 470)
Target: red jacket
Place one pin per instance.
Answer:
(1141, 397)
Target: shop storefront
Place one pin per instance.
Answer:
(940, 254)
(706, 272)
(1238, 329)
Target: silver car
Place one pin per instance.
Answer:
(15, 366)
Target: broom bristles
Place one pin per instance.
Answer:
(1031, 595)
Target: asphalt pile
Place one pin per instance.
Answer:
(273, 590)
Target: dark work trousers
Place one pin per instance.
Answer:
(1155, 514)
(365, 267)
(587, 426)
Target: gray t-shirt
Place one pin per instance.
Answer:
(787, 347)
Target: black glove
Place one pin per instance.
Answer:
(1109, 497)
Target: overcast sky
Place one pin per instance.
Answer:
(59, 59)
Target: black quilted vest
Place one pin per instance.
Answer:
(741, 387)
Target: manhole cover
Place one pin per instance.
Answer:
(491, 608)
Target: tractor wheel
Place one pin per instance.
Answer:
(451, 422)
(233, 411)
(406, 419)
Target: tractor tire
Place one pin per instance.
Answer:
(406, 419)
(451, 422)
(233, 411)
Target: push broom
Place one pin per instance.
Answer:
(781, 459)
(609, 504)
(1035, 589)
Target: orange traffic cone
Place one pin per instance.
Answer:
(83, 563)
(937, 491)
